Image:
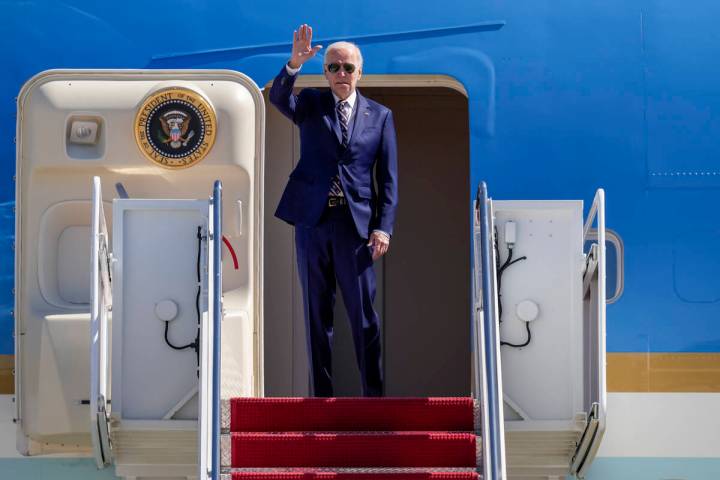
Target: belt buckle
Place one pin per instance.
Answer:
(336, 201)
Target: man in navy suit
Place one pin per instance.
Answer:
(342, 222)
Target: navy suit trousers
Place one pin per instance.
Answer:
(328, 252)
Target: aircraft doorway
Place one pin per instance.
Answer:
(423, 296)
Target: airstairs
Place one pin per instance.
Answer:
(351, 438)
(278, 438)
(535, 407)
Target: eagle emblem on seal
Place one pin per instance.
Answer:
(175, 125)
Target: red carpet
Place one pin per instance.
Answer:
(376, 438)
(427, 475)
(351, 414)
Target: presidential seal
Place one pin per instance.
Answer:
(175, 127)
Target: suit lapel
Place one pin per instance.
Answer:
(330, 118)
(362, 114)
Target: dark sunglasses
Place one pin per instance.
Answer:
(335, 67)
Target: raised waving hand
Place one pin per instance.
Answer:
(302, 49)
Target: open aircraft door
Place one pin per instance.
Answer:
(144, 301)
(101, 305)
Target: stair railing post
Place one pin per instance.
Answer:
(217, 321)
(210, 345)
(487, 341)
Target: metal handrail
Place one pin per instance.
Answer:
(210, 363)
(101, 302)
(595, 395)
(597, 212)
(614, 239)
(217, 318)
(487, 342)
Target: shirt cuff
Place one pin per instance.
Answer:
(292, 71)
(380, 231)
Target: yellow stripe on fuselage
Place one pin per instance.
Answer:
(7, 381)
(663, 372)
(626, 372)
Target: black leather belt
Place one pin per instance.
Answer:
(336, 201)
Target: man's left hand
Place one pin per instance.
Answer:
(379, 242)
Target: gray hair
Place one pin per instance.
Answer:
(344, 46)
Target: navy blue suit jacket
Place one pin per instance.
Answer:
(322, 156)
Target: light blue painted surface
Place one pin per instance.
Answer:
(654, 469)
(565, 97)
(603, 468)
(53, 469)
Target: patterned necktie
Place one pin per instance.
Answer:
(342, 114)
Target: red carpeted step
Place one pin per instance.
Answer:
(326, 475)
(351, 414)
(392, 449)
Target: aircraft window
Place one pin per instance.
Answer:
(615, 271)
